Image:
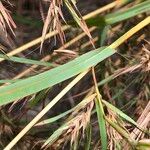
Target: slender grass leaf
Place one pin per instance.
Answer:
(54, 119)
(27, 61)
(131, 12)
(119, 112)
(121, 131)
(88, 137)
(106, 80)
(81, 105)
(102, 126)
(49, 78)
(39, 96)
(55, 135)
(103, 35)
(119, 16)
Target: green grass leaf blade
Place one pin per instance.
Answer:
(9, 81)
(26, 61)
(119, 112)
(55, 135)
(53, 119)
(103, 35)
(88, 137)
(38, 97)
(49, 78)
(131, 12)
(119, 16)
(101, 122)
(77, 108)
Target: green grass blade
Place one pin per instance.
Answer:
(27, 61)
(9, 81)
(103, 35)
(88, 137)
(119, 112)
(49, 78)
(131, 12)
(55, 135)
(119, 16)
(101, 122)
(53, 119)
(38, 97)
(81, 105)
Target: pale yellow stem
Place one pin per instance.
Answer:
(132, 31)
(100, 10)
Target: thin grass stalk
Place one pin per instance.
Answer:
(100, 113)
(132, 31)
(98, 11)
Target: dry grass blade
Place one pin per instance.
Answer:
(143, 65)
(143, 122)
(71, 5)
(52, 21)
(6, 18)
